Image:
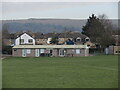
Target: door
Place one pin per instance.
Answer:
(61, 52)
(23, 52)
(37, 52)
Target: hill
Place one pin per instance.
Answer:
(46, 25)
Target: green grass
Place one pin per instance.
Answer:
(56, 72)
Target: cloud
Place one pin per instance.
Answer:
(52, 9)
(60, 0)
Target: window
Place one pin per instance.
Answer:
(87, 39)
(30, 40)
(78, 39)
(61, 52)
(28, 51)
(77, 51)
(21, 40)
(42, 50)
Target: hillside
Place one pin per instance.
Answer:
(45, 25)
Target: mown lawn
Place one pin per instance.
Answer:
(57, 72)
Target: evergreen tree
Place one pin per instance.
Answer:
(99, 31)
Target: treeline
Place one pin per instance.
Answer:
(42, 27)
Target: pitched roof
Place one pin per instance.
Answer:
(39, 35)
(52, 35)
(72, 35)
(19, 34)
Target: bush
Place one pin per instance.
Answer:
(7, 50)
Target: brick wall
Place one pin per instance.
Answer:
(72, 52)
(55, 52)
(111, 49)
(17, 52)
(32, 53)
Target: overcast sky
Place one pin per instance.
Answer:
(63, 10)
(60, 0)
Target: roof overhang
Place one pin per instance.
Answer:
(50, 46)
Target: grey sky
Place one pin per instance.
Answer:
(67, 10)
(60, 0)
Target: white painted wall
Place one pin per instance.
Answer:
(26, 37)
(48, 41)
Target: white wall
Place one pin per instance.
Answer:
(48, 41)
(26, 37)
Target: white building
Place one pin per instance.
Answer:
(25, 39)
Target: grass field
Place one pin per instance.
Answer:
(55, 72)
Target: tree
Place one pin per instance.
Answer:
(107, 38)
(99, 30)
(5, 35)
(5, 32)
(93, 28)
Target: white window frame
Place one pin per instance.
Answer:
(42, 50)
(79, 39)
(78, 51)
(22, 41)
(37, 52)
(29, 40)
(87, 38)
(60, 52)
(23, 52)
(28, 51)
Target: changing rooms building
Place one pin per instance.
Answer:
(50, 50)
